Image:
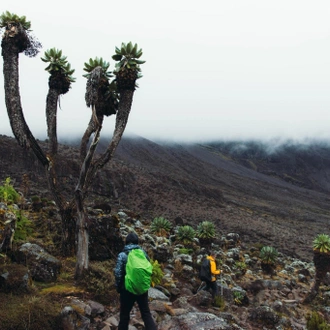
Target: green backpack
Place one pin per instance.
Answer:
(138, 272)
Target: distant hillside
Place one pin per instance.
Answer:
(279, 198)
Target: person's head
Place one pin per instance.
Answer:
(213, 253)
(132, 238)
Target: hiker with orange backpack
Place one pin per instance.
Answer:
(132, 279)
(208, 273)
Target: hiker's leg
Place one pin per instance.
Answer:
(127, 300)
(214, 287)
(207, 286)
(143, 303)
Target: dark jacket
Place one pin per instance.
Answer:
(120, 269)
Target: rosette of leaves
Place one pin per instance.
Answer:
(205, 232)
(127, 69)
(186, 234)
(321, 258)
(8, 18)
(160, 226)
(59, 69)
(18, 33)
(268, 255)
(100, 91)
(321, 243)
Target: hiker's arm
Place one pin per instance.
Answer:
(120, 270)
(214, 270)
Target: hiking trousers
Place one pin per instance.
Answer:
(211, 285)
(127, 300)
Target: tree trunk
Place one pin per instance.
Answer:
(88, 172)
(51, 115)
(82, 223)
(22, 133)
(322, 267)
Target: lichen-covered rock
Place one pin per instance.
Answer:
(43, 266)
(205, 321)
(264, 314)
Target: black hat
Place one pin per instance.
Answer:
(132, 238)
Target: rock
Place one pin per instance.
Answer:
(43, 266)
(71, 320)
(202, 298)
(162, 253)
(14, 278)
(155, 294)
(105, 240)
(198, 321)
(264, 314)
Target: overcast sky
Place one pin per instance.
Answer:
(214, 69)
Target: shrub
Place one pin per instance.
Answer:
(316, 322)
(206, 230)
(238, 297)
(100, 280)
(160, 226)
(219, 302)
(185, 251)
(322, 243)
(8, 194)
(186, 234)
(157, 273)
(24, 227)
(268, 255)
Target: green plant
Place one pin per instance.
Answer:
(219, 302)
(107, 96)
(94, 63)
(157, 273)
(206, 230)
(35, 199)
(99, 279)
(8, 18)
(268, 255)
(238, 297)
(160, 226)
(186, 234)
(240, 267)
(322, 243)
(24, 227)
(7, 192)
(315, 321)
(185, 251)
(58, 64)
(127, 70)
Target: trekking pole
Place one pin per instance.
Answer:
(221, 290)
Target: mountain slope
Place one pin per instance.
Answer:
(247, 192)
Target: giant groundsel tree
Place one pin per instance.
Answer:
(107, 93)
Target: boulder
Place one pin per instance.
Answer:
(105, 240)
(72, 320)
(14, 278)
(43, 266)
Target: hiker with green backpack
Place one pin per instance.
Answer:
(133, 278)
